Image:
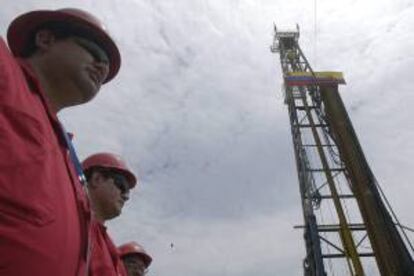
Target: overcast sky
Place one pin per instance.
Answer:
(197, 111)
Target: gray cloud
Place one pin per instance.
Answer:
(197, 111)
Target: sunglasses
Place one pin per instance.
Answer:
(121, 183)
(120, 180)
(135, 264)
(93, 48)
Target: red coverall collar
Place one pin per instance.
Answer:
(35, 86)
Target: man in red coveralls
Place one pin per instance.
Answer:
(135, 258)
(58, 59)
(109, 181)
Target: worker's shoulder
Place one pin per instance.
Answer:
(8, 63)
(2, 42)
(15, 95)
(11, 74)
(4, 50)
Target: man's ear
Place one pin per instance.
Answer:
(44, 39)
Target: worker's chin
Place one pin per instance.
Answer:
(118, 211)
(81, 98)
(89, 94)
(87, 90)
(113, 215)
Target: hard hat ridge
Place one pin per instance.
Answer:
(109, 161)
(132, 248)
(23, 27)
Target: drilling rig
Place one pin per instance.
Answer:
(349, 227)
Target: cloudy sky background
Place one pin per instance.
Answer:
(197, 110)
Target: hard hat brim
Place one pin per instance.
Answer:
(110, 161)
(21, 29)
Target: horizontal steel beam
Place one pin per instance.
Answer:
(331, 256)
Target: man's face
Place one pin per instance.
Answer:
(134, 265)
(109, 191)
(78, 63)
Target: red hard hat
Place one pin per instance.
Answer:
(133, 248)
(22, 28)
(109, 161)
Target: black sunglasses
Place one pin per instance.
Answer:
(120, 180)
(121, 183)
(93, 48)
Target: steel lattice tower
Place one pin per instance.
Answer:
(347, 227)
